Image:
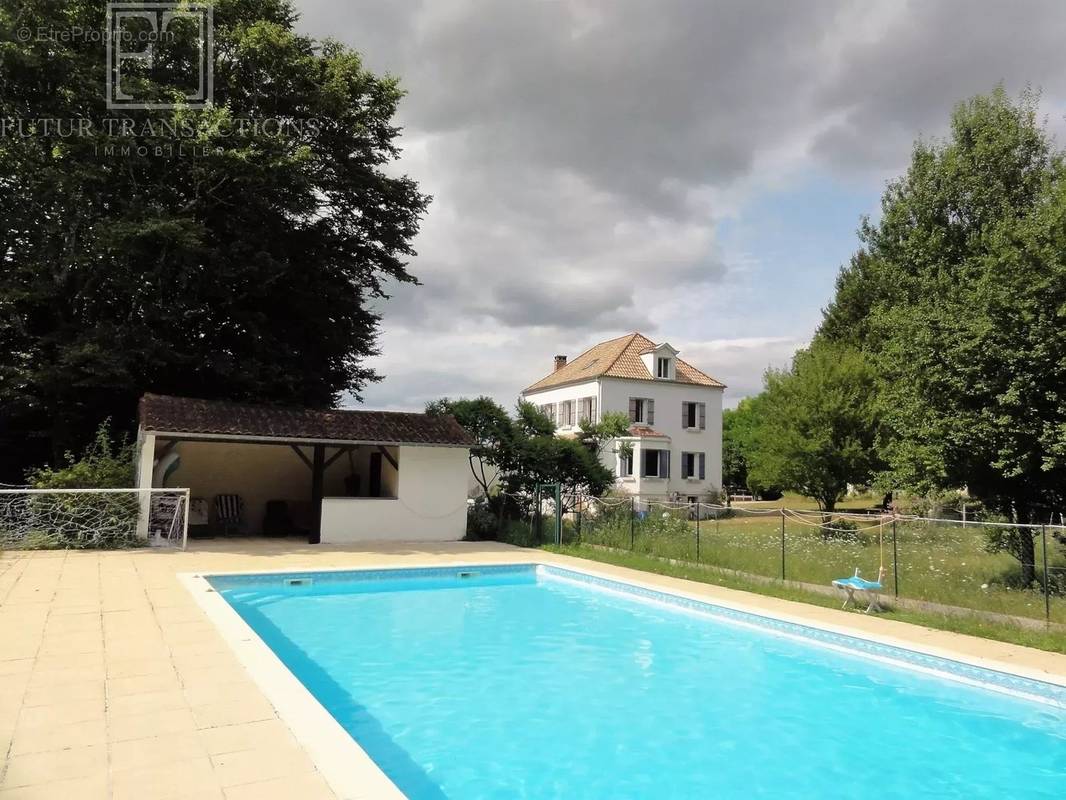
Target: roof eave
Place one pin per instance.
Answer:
(286, 440)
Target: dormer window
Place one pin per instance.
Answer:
(661, 362)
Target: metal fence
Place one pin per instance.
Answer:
(951, 564)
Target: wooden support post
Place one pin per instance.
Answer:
(388, 457)
(340, 452)
(318, 470)
(303, 458)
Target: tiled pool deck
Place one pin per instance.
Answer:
(114, 684)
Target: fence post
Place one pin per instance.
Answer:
(632, 516)
(499, 518)
(577, 537)
(1047, 587)
(697, 532)
(534, 518)
(895, 556)
(782, 544)
(558, 515)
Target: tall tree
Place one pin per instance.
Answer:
(493, 431)
(962, 294)
(817, 425)
(229, 252)
(739, 427)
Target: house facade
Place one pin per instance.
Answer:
(674, 446)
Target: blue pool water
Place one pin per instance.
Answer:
(520, 683)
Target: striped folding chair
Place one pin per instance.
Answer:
(229, 510)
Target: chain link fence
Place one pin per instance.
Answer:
(1000, 568)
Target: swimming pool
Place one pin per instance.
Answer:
(538, 682)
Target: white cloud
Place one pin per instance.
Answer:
(583, 156)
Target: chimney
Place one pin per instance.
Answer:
(560, 362)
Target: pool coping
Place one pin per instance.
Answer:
(353, 775)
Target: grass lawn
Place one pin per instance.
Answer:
(792, 500)
(1044, 640)
(941, 563)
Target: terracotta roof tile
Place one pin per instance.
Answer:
(619, 358)
(165, 413)
(644, 432)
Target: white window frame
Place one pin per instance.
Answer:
(549, 410)
(586, 412)
(625, 465)
(644, 465)
(662, 367)
(695, 474)
(693, 408)
(643, 410)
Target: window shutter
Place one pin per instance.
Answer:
(684, 415)
(592, 402)
(703, 466)
(702, 408)
(651, 411)
(664, 463)
(632, 409)
(643, 469)
(553, 414)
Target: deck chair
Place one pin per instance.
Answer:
(229, 511)
(868, 589)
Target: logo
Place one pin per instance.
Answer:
(160, 55)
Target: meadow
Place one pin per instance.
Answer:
(944, 563)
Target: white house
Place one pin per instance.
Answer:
(332, 475)
(675, 411)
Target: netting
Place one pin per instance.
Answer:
(1002, 568)
(92, 518)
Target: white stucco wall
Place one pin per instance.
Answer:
(575, 391)
(613, 395)
(430, 504)
(668, 397)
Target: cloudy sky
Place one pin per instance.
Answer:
(691, 169)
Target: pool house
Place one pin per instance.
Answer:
(332, 476)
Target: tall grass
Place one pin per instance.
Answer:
(947, 564)
(1045, 640)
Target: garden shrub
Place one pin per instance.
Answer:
(81, 521)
